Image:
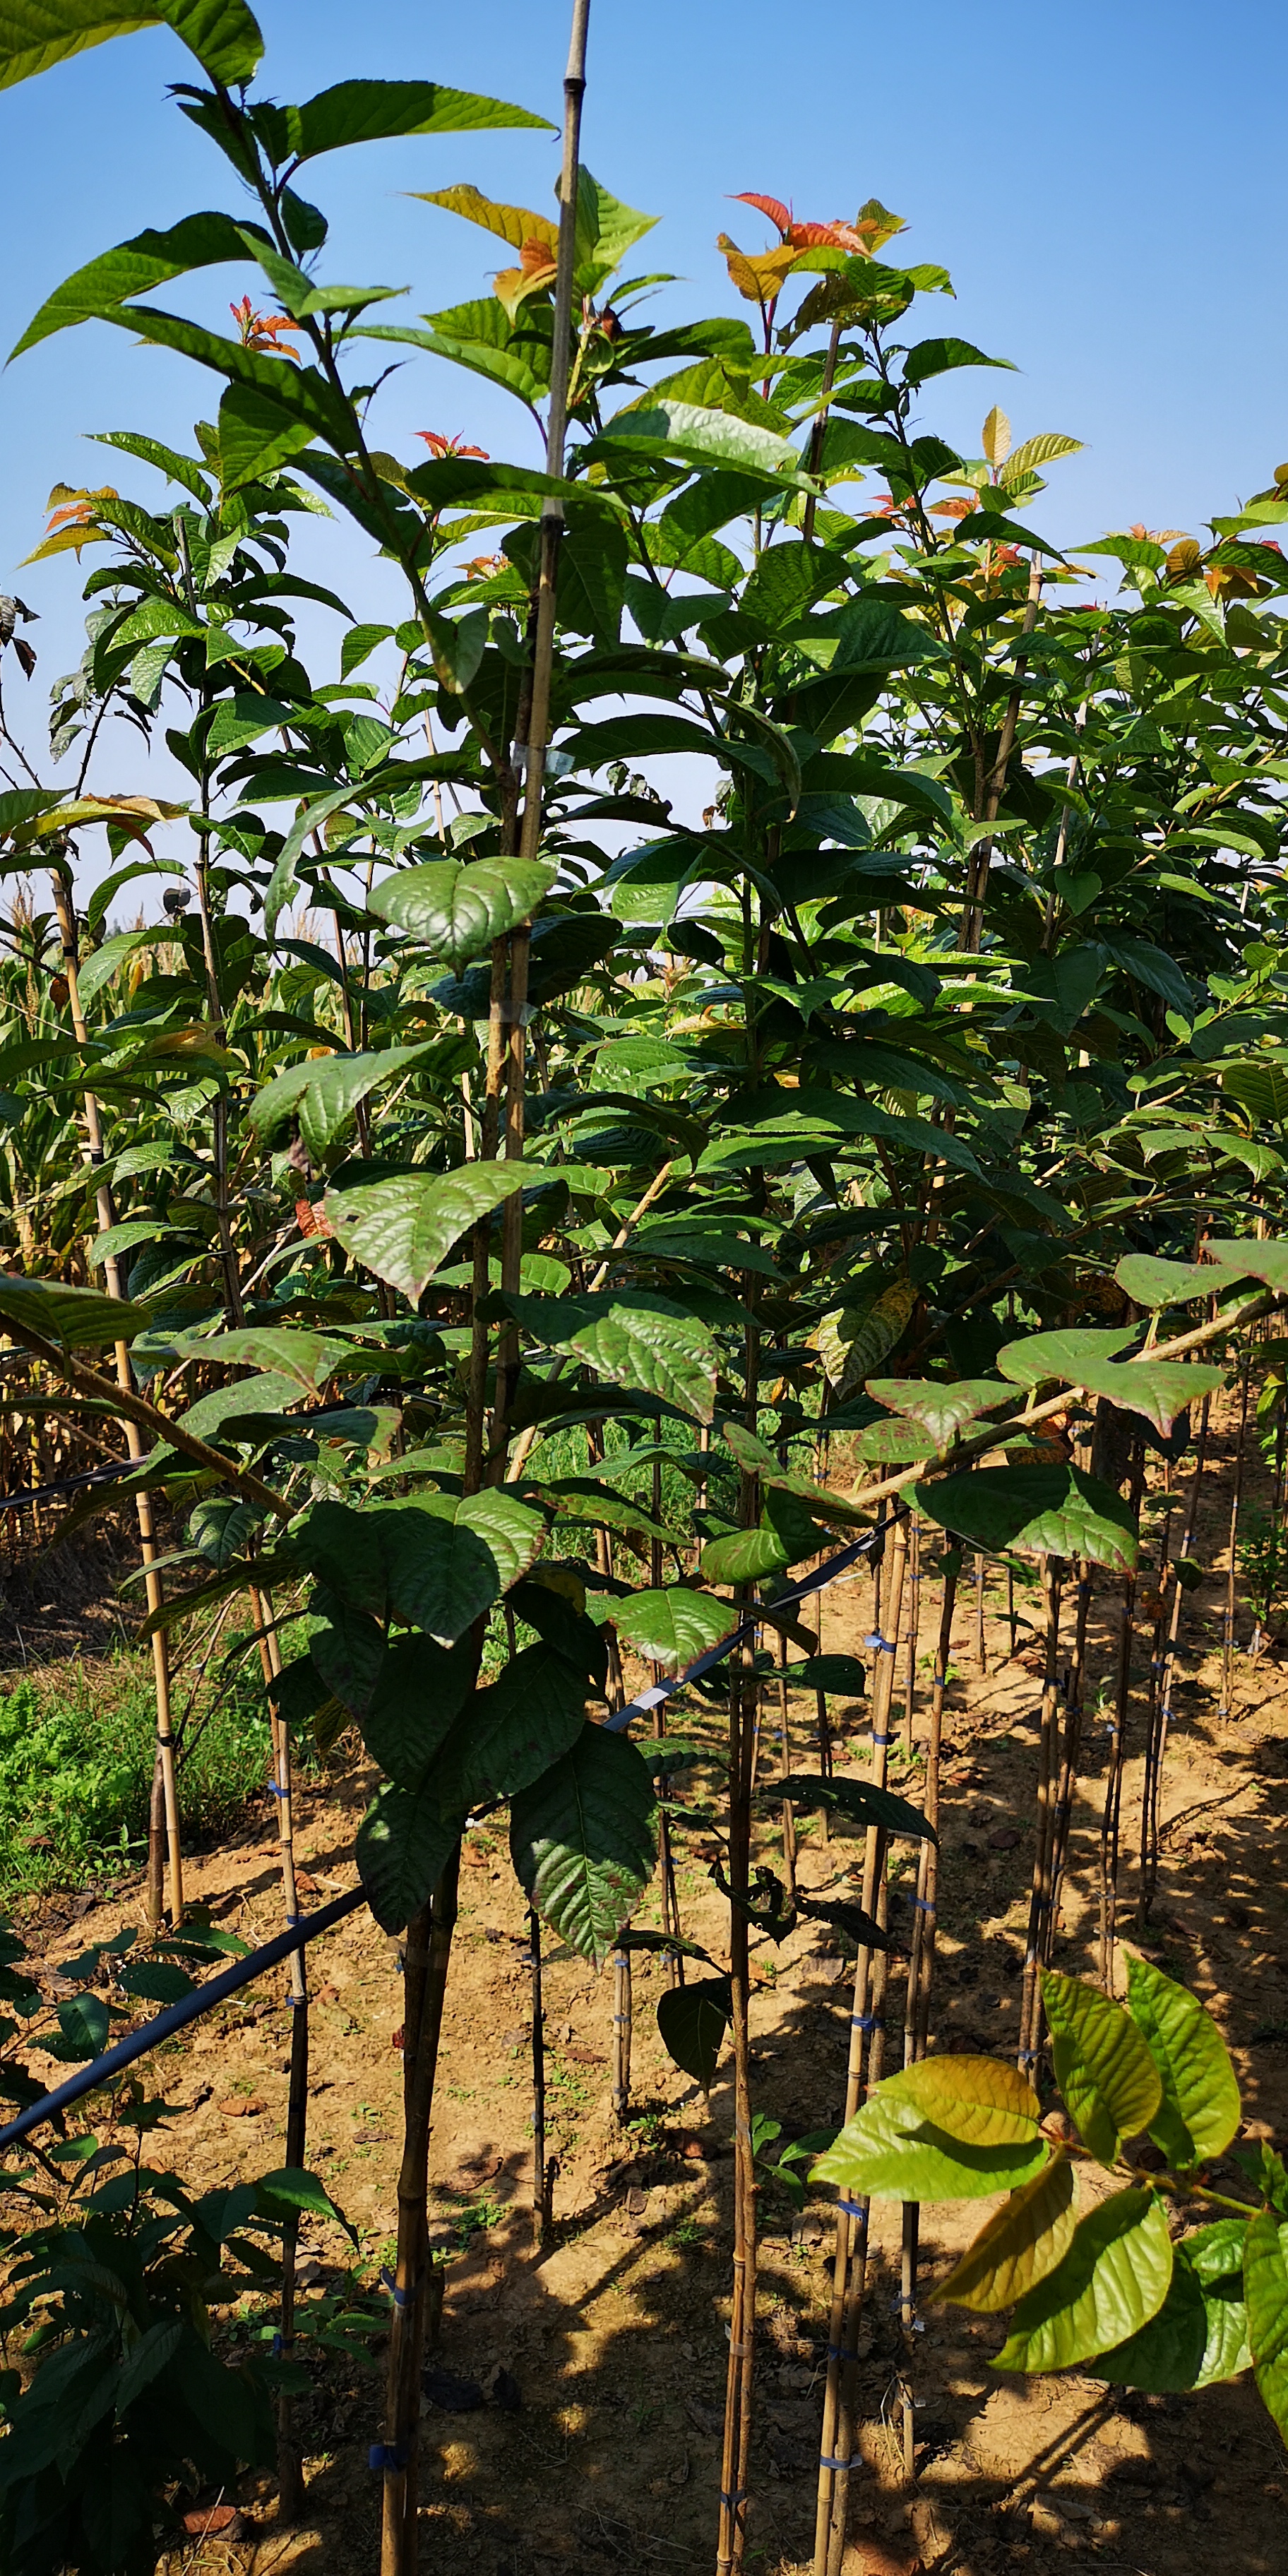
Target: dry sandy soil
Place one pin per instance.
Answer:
(616, 2335)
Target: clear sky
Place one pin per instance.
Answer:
(1106, 184)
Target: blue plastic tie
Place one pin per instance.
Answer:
(879, 1645)
(853, 2208)
(401, 2298)
(387, 2457)
(865, 2021)
(277, 2346)
(881, 1739)
(733, 2500)
(825, 2463)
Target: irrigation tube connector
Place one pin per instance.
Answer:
(869, 1545)
(243, 1971)
(176, 2016)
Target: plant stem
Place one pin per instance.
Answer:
(429, 1946)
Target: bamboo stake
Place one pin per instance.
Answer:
(164, 1783)
(290, 2479)
(1048, 1767)
(542, 2173)
(916, 2019)
(621, 2033)
(850, 2259)
(429, 1944)
(1228, 1613)
(1112, 1816)
(1157, 1746)
(981, 1649)
(787, 1812)
(1070, 1753)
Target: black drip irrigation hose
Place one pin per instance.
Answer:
(243, 1971)
(176, 2016)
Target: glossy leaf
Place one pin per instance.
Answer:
(583, 1840)
(403, 1845)
(1113, 2279)
(308, 1359)
(1200, 2110)
(35, 34)
(458, 909)
(404, 1228)
(76, 1318)
(1018, 2246)
(842, 1675)
(512, 1534)
(323, 1094)
(1160, 1389)
(1200, 2334)
(1037, 1511)
(939, 1408)
(947, 2128)
(1265, 2283)
(645, 1342)
(149, 259)
(420, 1691)
(745, 1556)
(861, 1800)
(1111, 2086)
(672, 1628)
(371, 111)
(692, 2021)
(1154, 1283)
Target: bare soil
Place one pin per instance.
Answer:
(616, 2335)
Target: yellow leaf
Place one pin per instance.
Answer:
(1017, 2246)
(513, 224)
(996, 436)
(980, 2098)
(761, 279)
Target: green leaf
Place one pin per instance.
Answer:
(1017, 2246)
(284, 880)
(255, 435)
(370, 111)
(85, 2023)
(1153, 1283)
(1113, 2279)
(348, 1654)
(1215, 2254)
(886, 2151)
(896, 1444)
(307, 1358)
(851, 1342)
(745, 1556)
(842, 1674)
(529, 1718)
(419, 1693)
(148, 260)
(155, 1981)
(861, 1800)
(324, 1093)
(1168, 2352)
(940, 1409)
(691, 2024)
(646, 1342)
(151, 2355)
(1037, 1511)
(700, 436)
(1160, 1389)
(35, 34)
(672, 1628)
(948, 2128)
(1111, 2086)
(458, 908)
(401, 1562)
(76, 1318)
(583, 1840)
(1200, 2110)
(403, 1845)
(513, 1535)
(404, 1228)
(1265, 1261)
(291, 2188)
(1265, 2284)
(936, 357)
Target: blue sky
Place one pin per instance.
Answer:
(1106, 185)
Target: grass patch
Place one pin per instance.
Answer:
(76, 1753)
